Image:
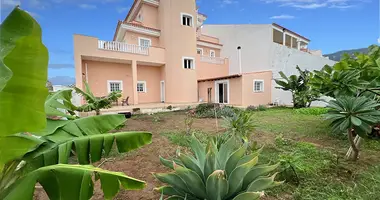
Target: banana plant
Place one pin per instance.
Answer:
(35, 144)
(227, 173)
(96, 103)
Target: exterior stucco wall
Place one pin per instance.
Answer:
(150, 16)
(235, 85)
(286, 59)
(209, 38)
(152, 76)
(202, 91)
(133, 38)
(254, 40)
(206, 51)
(97, 78)
(179, 41)
(209, 70)
(249, 96)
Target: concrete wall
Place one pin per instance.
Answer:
(286, 59)
(206, 50)
(209, 70)
(253, 39)
(202, 91)
(150, 16)
(133, 38)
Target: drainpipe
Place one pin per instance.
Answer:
(239, 59)
(86, 73)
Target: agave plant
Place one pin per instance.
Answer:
(215, 174)
(353, 115)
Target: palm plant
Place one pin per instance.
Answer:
(354, 115)
(215, 174)
(96, 103)
(38, 136)
(240, 125)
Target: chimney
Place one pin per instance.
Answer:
(239, 59)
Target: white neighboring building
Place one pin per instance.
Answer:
(267, 47)
(76, 99)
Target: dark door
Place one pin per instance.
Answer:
(209, 90)
(221, 92)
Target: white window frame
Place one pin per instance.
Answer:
(254, 88)
(143, 38)
(114, 81)
(188, 58)
(217, 90)
(212, 51)
(187, 15)
(144, 88)
(201, 49)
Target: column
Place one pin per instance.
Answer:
(298, 44)
(291, 42)
(283, 38)
(134, 82)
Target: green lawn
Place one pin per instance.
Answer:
(318, 169)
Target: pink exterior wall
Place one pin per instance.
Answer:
(152, 76)
(97, 78)
(202, 91)
(209, 70)
(209, 39)
(150, 16)
(235, 91)
(179, 41)
(133, 38)
(256, 98)
(206, 51)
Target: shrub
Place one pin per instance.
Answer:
(170, 107)
(209, 110)
(261, 108)
(251, 108)
(227, 173)
(240, 125)
(312, 111)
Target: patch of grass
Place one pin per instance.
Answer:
(182, 139)
(311, 111)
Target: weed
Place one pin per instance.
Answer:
(261, 108)
(311, 111)
(182, 139)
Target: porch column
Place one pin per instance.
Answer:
(291, 42)
(134, 82)
(298, 44)
(283, 38)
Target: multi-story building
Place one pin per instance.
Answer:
(161, 52)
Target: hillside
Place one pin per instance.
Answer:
(338, 55)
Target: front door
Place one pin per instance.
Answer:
(162, 86)
(209, 90)
(222, 92)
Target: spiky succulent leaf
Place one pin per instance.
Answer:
(193, 181)
(263, 183)
(256, 172)
(247, 196)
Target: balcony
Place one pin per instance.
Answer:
(91, 48)
(213, 60)
(123, 47)
(210, 67)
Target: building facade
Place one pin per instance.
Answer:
(161, 52)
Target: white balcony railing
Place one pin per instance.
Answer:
(213, 60)
(122, 47)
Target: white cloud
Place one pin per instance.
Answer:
(310, 6)
(122, 9)
(315, 4)
(282, 17)
(10, 3)
(87, 6)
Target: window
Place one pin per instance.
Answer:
(200, 51)
(141, 86)
(186, 19)
(212, 53)
(188, 63)
(258, 85)
(114, 86)
(144, 42)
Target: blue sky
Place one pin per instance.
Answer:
(332, 25)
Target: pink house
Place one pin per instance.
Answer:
(159, 54)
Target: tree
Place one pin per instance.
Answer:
(34, 148)
(352, 81)
(298, 85)
(96, 103)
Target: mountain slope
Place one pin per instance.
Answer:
(338, 55)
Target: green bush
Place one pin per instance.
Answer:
(251, 108)
(312, 111)
(261, 108)
(207, 110)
